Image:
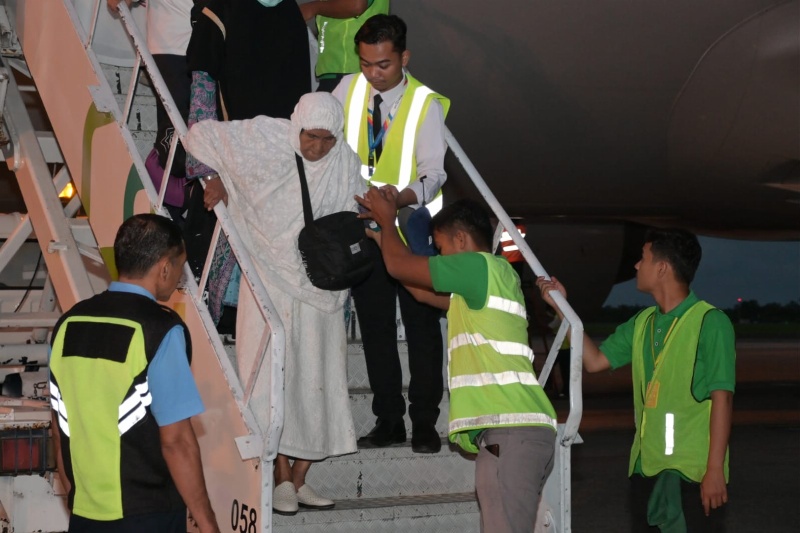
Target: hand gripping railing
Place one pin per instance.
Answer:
(571, 319)
(265, 305)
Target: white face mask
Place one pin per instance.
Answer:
(269, 3)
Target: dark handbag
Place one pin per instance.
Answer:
(333, 248)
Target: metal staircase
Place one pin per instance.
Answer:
(389, 489)
(103, 162)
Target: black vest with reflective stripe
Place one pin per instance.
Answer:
(146, 484)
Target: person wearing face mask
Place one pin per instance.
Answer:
(396, 125)
(258, 168)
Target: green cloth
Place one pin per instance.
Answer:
(665, 507)
(466, 274)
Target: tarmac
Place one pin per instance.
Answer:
(764, 488)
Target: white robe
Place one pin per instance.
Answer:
(256, 161)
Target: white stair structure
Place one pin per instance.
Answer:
(102, 143)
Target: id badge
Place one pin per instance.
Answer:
(651, 398)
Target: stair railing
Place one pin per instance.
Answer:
(571, 320)
(265, 305)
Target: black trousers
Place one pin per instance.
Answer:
(175, 71)
(170, 522)
(375, 307)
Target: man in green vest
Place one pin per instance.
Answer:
(122, 395)
(498, 410)
(396, 125)
(682, 359)
(337, 22)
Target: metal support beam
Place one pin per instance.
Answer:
(63, 259)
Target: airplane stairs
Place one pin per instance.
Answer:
(388, 489)
(393, 489)
(95, 142)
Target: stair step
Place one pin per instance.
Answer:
(432, 513)
(393, 471)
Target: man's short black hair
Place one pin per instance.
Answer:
(380, 28)
(469, 216)
(142, 241)
(679, 248)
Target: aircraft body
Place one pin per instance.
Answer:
(594, 120)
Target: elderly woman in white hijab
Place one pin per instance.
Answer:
(256, 162)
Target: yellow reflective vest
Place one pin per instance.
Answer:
(672, 427)
(398, 164)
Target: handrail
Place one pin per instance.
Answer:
(570, 317)
(249, 272)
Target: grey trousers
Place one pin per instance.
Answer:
(510, 483)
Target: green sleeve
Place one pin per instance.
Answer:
(618, 347)
(465, 274)
(715, 367)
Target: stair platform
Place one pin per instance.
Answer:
(430, 513)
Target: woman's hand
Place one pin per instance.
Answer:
(213, 193)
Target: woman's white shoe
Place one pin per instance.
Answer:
(284, 499)
(306, 497)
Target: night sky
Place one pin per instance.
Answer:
(764, 271)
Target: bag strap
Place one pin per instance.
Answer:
(307, 211)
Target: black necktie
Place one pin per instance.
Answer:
(377, 125)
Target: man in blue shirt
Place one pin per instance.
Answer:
(123, 394)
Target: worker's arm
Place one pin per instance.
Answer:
(337, 9)
(404, 266)
(182, 454)
(713, 491)
(593, 359)
(426, 296)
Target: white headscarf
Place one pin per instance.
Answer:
(256, 161)
(317, 111)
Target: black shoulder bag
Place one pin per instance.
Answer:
(332, 247)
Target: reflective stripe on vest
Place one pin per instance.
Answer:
(509, 306)
(355, 115)
(131, 410)
(669, 434)
(134, 407)
(355, 121)
(59, 407)
(503, 378)
(505, 419)
(501, 347)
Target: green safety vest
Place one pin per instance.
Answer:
(398, 163)
(110, 442)
(672, 427)
(337, 47)
(492, 382)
